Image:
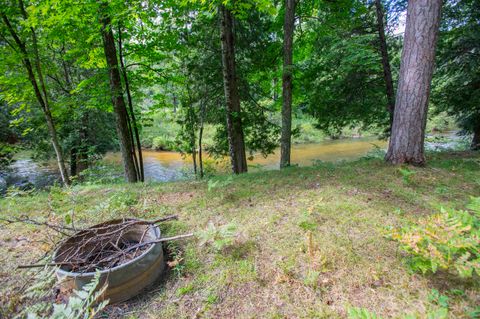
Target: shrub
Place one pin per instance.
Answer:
(448, 240)
(6, 154)
(163, 143)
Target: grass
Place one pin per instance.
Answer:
(309, 241)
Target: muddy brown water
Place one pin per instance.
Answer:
(168, 166)
(165, 166)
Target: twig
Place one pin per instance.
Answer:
(59, 229)
(113, 256)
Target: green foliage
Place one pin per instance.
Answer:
(163, 143)
(6, 154)
(101, 172)
(447, 240)
(307, 223)
(361, 313)
(218, 237)
(82, 304)
(219, 182)
(437, 298)
(406, 175)
(455, 88)
(341, 78)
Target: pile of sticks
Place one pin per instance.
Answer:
(107, 245)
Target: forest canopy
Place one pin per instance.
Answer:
(80, 79)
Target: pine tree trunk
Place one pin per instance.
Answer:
(118, 101)
(286, 137)
(411, 106)
(387, 72)
(234, 120)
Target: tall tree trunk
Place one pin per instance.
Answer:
(476, 138)
(200, 150)
(234, 120)
(119, 106)
(73, 161)
(286, 138)
(42, 99)
(141, 174)
(387, 72)
(194, 160)
(200, 137)
(411, 106)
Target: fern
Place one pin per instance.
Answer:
(447, 240)
(218, 237)
(82, 304)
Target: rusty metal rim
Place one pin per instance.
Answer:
(62, 272)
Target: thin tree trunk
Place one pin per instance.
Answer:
(194, 159)
(73, 161)
(411, 106)
(234, 120)
(475, 146)
(387, 72)
(119, 106)
(132, 151)
(200, 137)
(193, 149)
(140, 168)
(200, 151)
(286, 137)
(42, 99)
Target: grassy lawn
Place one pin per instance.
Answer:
(309, 242)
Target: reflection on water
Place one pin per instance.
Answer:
(168, 166)
(26, 173)
(329, 151)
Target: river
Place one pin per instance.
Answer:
(169, 166)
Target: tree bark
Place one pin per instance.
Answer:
(200, 137)
(411, 106)
(286, 137)
(475, 146)
(233, 112)
(118, 101)
(387, 72)
(141, 174)
(42, 99)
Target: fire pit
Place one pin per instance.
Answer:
(120, 250)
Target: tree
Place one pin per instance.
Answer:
(131, 119)
(288, 28)
(340, 77)
(35, 76)
(123, 131)
(232, 98)
(387, 72)
(456, 82)
(418, 56)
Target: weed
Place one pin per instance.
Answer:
(361, 313)
(184, 290)
(219, 182)
(406, 175)
(446, 240)
(218, 237)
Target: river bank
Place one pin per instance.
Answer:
(268, 271)
(164, 166)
